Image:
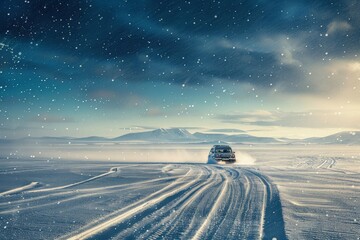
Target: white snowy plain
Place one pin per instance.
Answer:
(169, 192)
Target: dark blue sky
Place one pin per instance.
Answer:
(98, 67)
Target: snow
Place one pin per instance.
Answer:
(272, 192)
(20, 189)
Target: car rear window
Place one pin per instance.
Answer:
(223, 150)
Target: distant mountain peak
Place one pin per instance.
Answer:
(159, 135)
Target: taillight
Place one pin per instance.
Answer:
(233, 155)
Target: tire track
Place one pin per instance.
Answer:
(203, 202)
(273, 225)
(170, 218)
(68, 196)
(215, 207)
(74, 184)
(99, 229)
(20, 189)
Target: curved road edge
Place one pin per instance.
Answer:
(273, 222)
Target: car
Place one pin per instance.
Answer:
(221, 153)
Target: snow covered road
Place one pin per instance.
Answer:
(208, 202)
(187, 201)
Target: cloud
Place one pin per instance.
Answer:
(116, 98)
(336, 79)
(226, 130)
(338, 26)
(194, 43)
(51, 118)
(141, 128)
(249, 117)
(308, 119)
(154, 112)
(123, 42)
(16, 132)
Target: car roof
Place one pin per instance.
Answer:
(221, 146)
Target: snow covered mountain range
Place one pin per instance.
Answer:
(349, 138)
(180, 135)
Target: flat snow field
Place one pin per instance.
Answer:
(272, 193)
